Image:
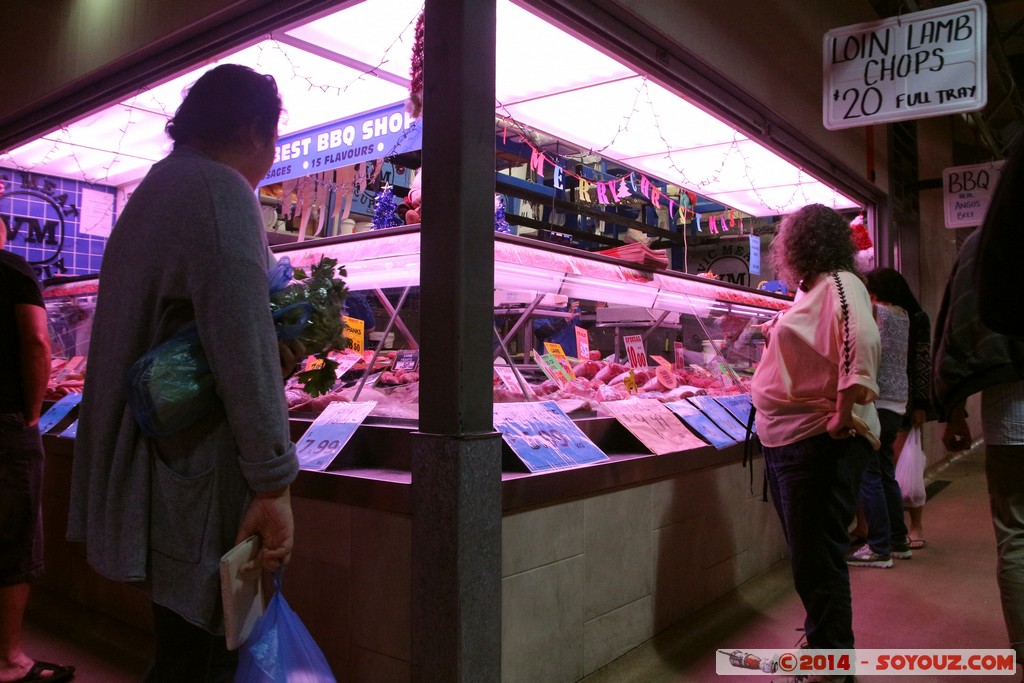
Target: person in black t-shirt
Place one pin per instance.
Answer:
(24, 372)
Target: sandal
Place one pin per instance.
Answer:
(916, 543)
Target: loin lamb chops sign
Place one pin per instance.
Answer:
(911, 66)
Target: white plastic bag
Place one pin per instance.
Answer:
(910, 470)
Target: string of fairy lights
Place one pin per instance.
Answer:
(63, 144)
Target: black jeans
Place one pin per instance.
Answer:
(814, 486)
(185, 652)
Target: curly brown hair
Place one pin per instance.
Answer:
(811, 241)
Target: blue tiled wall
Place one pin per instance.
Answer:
(43, 223)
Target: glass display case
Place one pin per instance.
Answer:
(575, 327)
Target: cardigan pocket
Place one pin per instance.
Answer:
(180, 512)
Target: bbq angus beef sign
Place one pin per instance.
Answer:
(912, 66)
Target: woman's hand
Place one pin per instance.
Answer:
(840, 425)
(270, 517)
(291, 353)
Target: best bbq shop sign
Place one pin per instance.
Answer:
(912, 66)
(379, 133)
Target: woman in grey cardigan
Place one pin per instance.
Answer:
(189, 249)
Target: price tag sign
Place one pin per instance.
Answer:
(510, 377)
(544, 437)
(654, 425)
(58, 411)
(720, 416)
(354, 328)
(329, 433)
(345, 363)
(666, 377)
(552, 368)
(678, 355)
(558, 352)
(71, 432)
(582, 343)
(406, 359)
(701, 423)
(740, 406)
(635, 350)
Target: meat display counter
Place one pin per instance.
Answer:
(577, 305)
(565, 324)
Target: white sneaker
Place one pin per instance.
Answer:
(864, 556)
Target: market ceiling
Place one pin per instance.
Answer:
(328, 70)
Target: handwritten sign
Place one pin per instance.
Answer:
(345, 363)
(329, 433)
(558, 352)
(679, 355)
(701, 423)
(58, 411)
(654, 425)
(720, 416)
(911, 66)
(582, 343)
(544, 437)
(635, 351)
(552, 368)
(739, 406)
(510, 378)
(967, 191)
(406, 359)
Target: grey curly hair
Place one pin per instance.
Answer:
(812, 241)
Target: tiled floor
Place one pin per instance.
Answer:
(945, 597)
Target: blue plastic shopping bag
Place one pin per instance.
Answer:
(280, 649)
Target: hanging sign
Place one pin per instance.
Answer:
(379, 133)
(911, 66)
(967, 191)
(543, 436)
(330, 432)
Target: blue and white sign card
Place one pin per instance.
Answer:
(71, 432)
(58, 411)
(720, 416)
(654, 425)
(329, 433)
(701, 423)
(740, 406)
(544, 437)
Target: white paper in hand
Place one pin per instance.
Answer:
(241, 591)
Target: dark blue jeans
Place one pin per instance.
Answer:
(814, 486)
(21, 486)
(880, 492)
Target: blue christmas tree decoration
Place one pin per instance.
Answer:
(500, 224)
(384, 215)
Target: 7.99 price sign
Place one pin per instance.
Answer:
(329, 433)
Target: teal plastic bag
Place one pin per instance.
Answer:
(280, 649)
